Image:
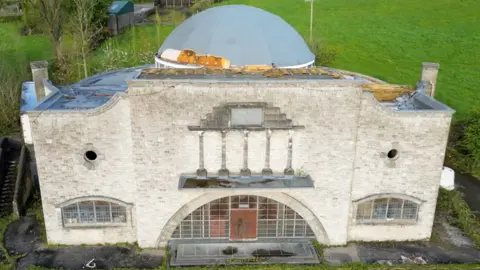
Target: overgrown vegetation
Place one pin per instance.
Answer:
(452, 203)
(464, 144)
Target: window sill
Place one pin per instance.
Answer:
(387, 222)
(94, 226)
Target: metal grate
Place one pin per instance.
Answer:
(387, 209)
(274, 219)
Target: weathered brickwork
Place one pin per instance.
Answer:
(420, 139)
(145, 146)
(60, 141)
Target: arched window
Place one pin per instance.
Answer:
(94, 212)
(217, 219)
(386, 209)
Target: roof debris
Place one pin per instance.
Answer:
(388, 92)
(190, 57)
(266, 71)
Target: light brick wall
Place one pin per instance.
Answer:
(60, 141)
(420, 139)
(165, 148)
(146, 145)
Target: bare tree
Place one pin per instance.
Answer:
(53, 13)
(84, 28)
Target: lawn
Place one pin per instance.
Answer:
(384, 39)
(390, 39)
(136, 46)
(18, 50)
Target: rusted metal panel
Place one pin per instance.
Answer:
(243, 224)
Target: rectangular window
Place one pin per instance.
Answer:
(246, 116)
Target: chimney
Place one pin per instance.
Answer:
(429, 76)
(39, 73)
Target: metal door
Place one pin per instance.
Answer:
(243, 224)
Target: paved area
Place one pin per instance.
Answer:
(470, 186)
(301, 252)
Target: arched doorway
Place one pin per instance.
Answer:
(243, 218)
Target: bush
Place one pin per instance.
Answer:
(10, 95)
(324, 54)
(453, 203)
(463, 150)
(10, 18)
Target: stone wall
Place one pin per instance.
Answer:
(165, 148)
(61, 139)
(144, 145)
(420, 139)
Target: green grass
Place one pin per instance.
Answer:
(15, 53)
(136, 46)
(390, 39)
(18, 49)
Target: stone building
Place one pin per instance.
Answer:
(245, 153)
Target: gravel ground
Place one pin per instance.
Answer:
(371, 253)
(75, 257)
(24, 236)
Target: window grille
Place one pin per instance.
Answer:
(274, 219)
(386, 209)
(94, 213)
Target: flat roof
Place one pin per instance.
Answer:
(240, 74)
(97, 90)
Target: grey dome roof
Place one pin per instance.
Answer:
(242, 34)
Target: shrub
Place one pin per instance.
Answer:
(463, 150)
(324, 54)
(453, 203)
(10, 18)
(10, 95)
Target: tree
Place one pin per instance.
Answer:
(53, 14)
(85, 28)
(3, 3)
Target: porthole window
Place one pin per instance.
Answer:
(392, 154)
(90, 155)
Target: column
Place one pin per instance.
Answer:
(223, 170)
(267, 171)
(201, 172)
(289, 170)
(245, 171)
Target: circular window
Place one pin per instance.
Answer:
(392, 154)
(90, 155)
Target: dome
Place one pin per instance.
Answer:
(243, 35)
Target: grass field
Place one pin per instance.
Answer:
(134, 47)
(390, 39)
(384, 39)
(17, 50)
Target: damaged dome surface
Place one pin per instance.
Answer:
(242, 34)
